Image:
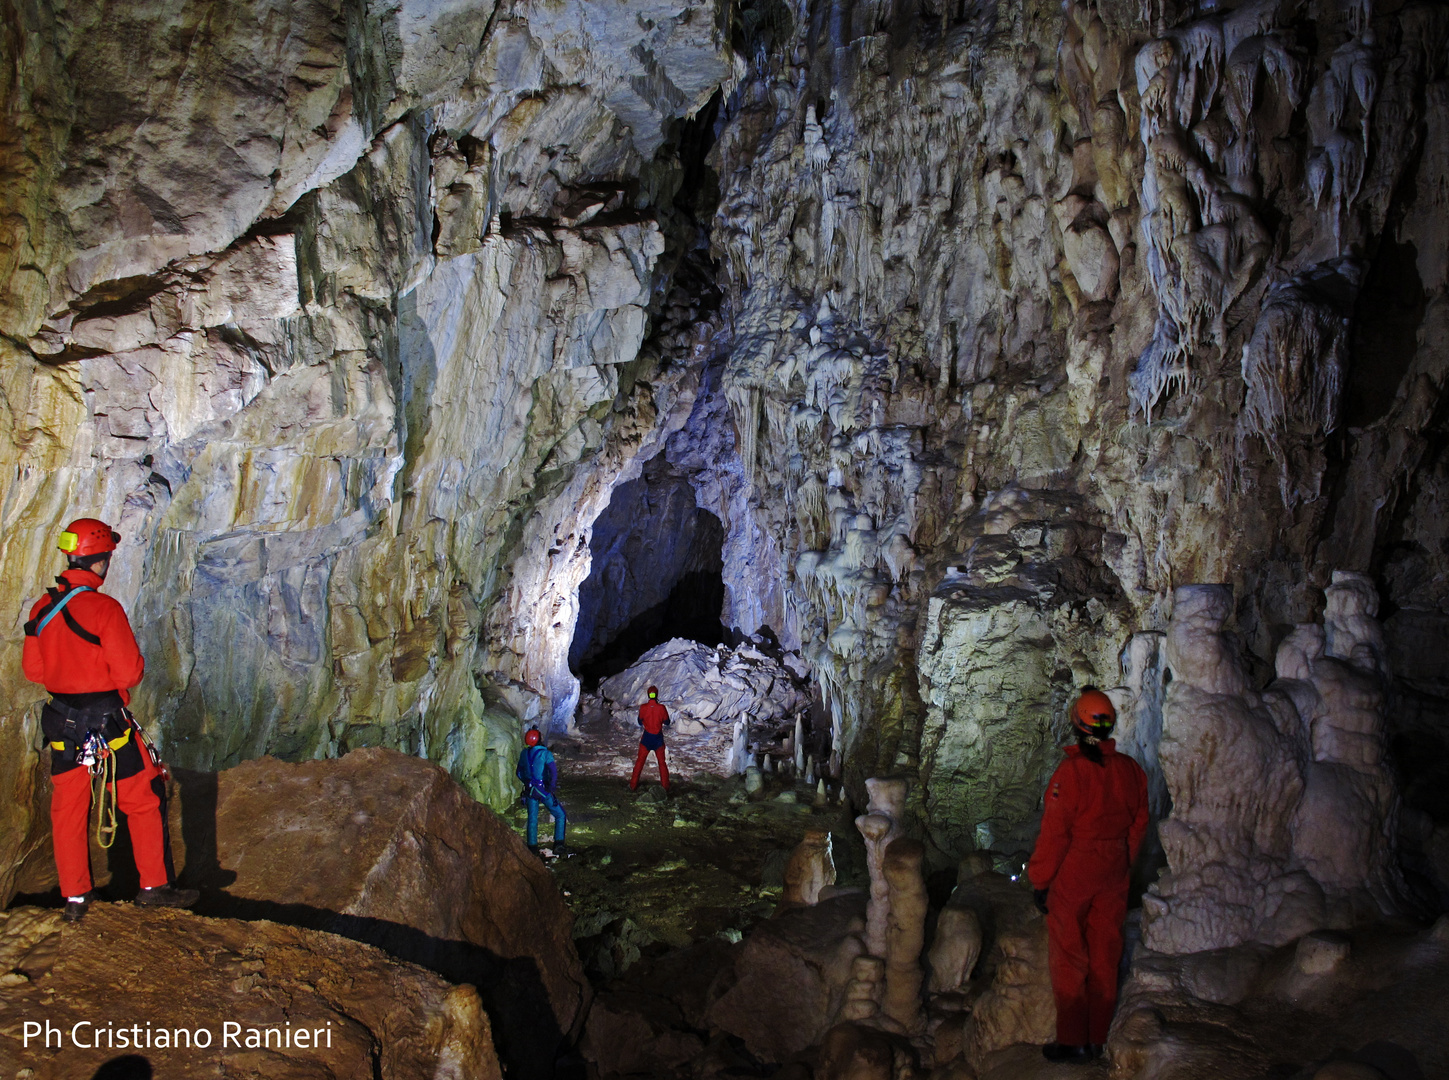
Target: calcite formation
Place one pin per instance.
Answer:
(1282, 803)
(979, 329)
(811, 868)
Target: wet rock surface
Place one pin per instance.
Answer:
(389, 850)
(155, 972)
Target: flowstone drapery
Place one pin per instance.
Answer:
(1283, 808)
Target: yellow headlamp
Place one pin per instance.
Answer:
(68, 542)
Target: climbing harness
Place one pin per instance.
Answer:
(98, 755)
(105, 771)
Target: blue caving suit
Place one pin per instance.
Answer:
(539, 772)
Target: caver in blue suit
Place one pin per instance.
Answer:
(539, 772)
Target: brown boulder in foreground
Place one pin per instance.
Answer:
(388, 849)
(131, 967)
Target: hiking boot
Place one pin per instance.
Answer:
(533, 848)
(167, 896)
(561, 850)
(1068, 1054)
(76, 907)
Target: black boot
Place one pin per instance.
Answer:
(75, 910)
(167, 896)
(1063, 1052)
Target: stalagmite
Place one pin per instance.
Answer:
(865, 989)
(905, 932)
(880, 825)
(739, 759)
(799, 744)
(876, 829)
(955, 949)
(810, 869)
(1282, 814)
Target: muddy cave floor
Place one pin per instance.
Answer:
(650, 873)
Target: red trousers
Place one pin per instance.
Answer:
(1084, 932)
(70, 812)
(639, 766)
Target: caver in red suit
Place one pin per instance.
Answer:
(653, 718)
(1092, 827)
(78, 642)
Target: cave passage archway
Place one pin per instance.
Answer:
(657, 574)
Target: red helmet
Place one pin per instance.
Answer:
(88, 536)
(1094, 714)
(531, 737)
(654, 691)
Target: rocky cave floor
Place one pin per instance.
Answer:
(670, 893)
(650, 873)
(699, 966)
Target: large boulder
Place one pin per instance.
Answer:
(629, 1032)
(387, 849)
(157, 974)
(790, 978)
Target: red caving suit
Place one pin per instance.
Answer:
(88, 660)
(653, 718)
(1091, 830)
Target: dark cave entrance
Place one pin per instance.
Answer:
(657, 574)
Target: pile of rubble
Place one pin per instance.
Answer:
(729, 705)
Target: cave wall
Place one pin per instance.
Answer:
(997, 270)
(982, 327)
(339, 312)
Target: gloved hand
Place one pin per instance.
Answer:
(1040, 896)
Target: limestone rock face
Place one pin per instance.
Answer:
(353, 318)
(319, 308)
(1028, 612)
(387, 849)
(1283, 807)
(936, 294)
(172, 970)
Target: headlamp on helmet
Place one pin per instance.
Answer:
(88, 536)
(1094, 714)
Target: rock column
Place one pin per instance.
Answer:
(905, 932)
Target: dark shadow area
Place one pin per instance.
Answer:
(1391, 1059)
(657, 574)
(129, 1067)
(1386, 332)
(690, 611)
